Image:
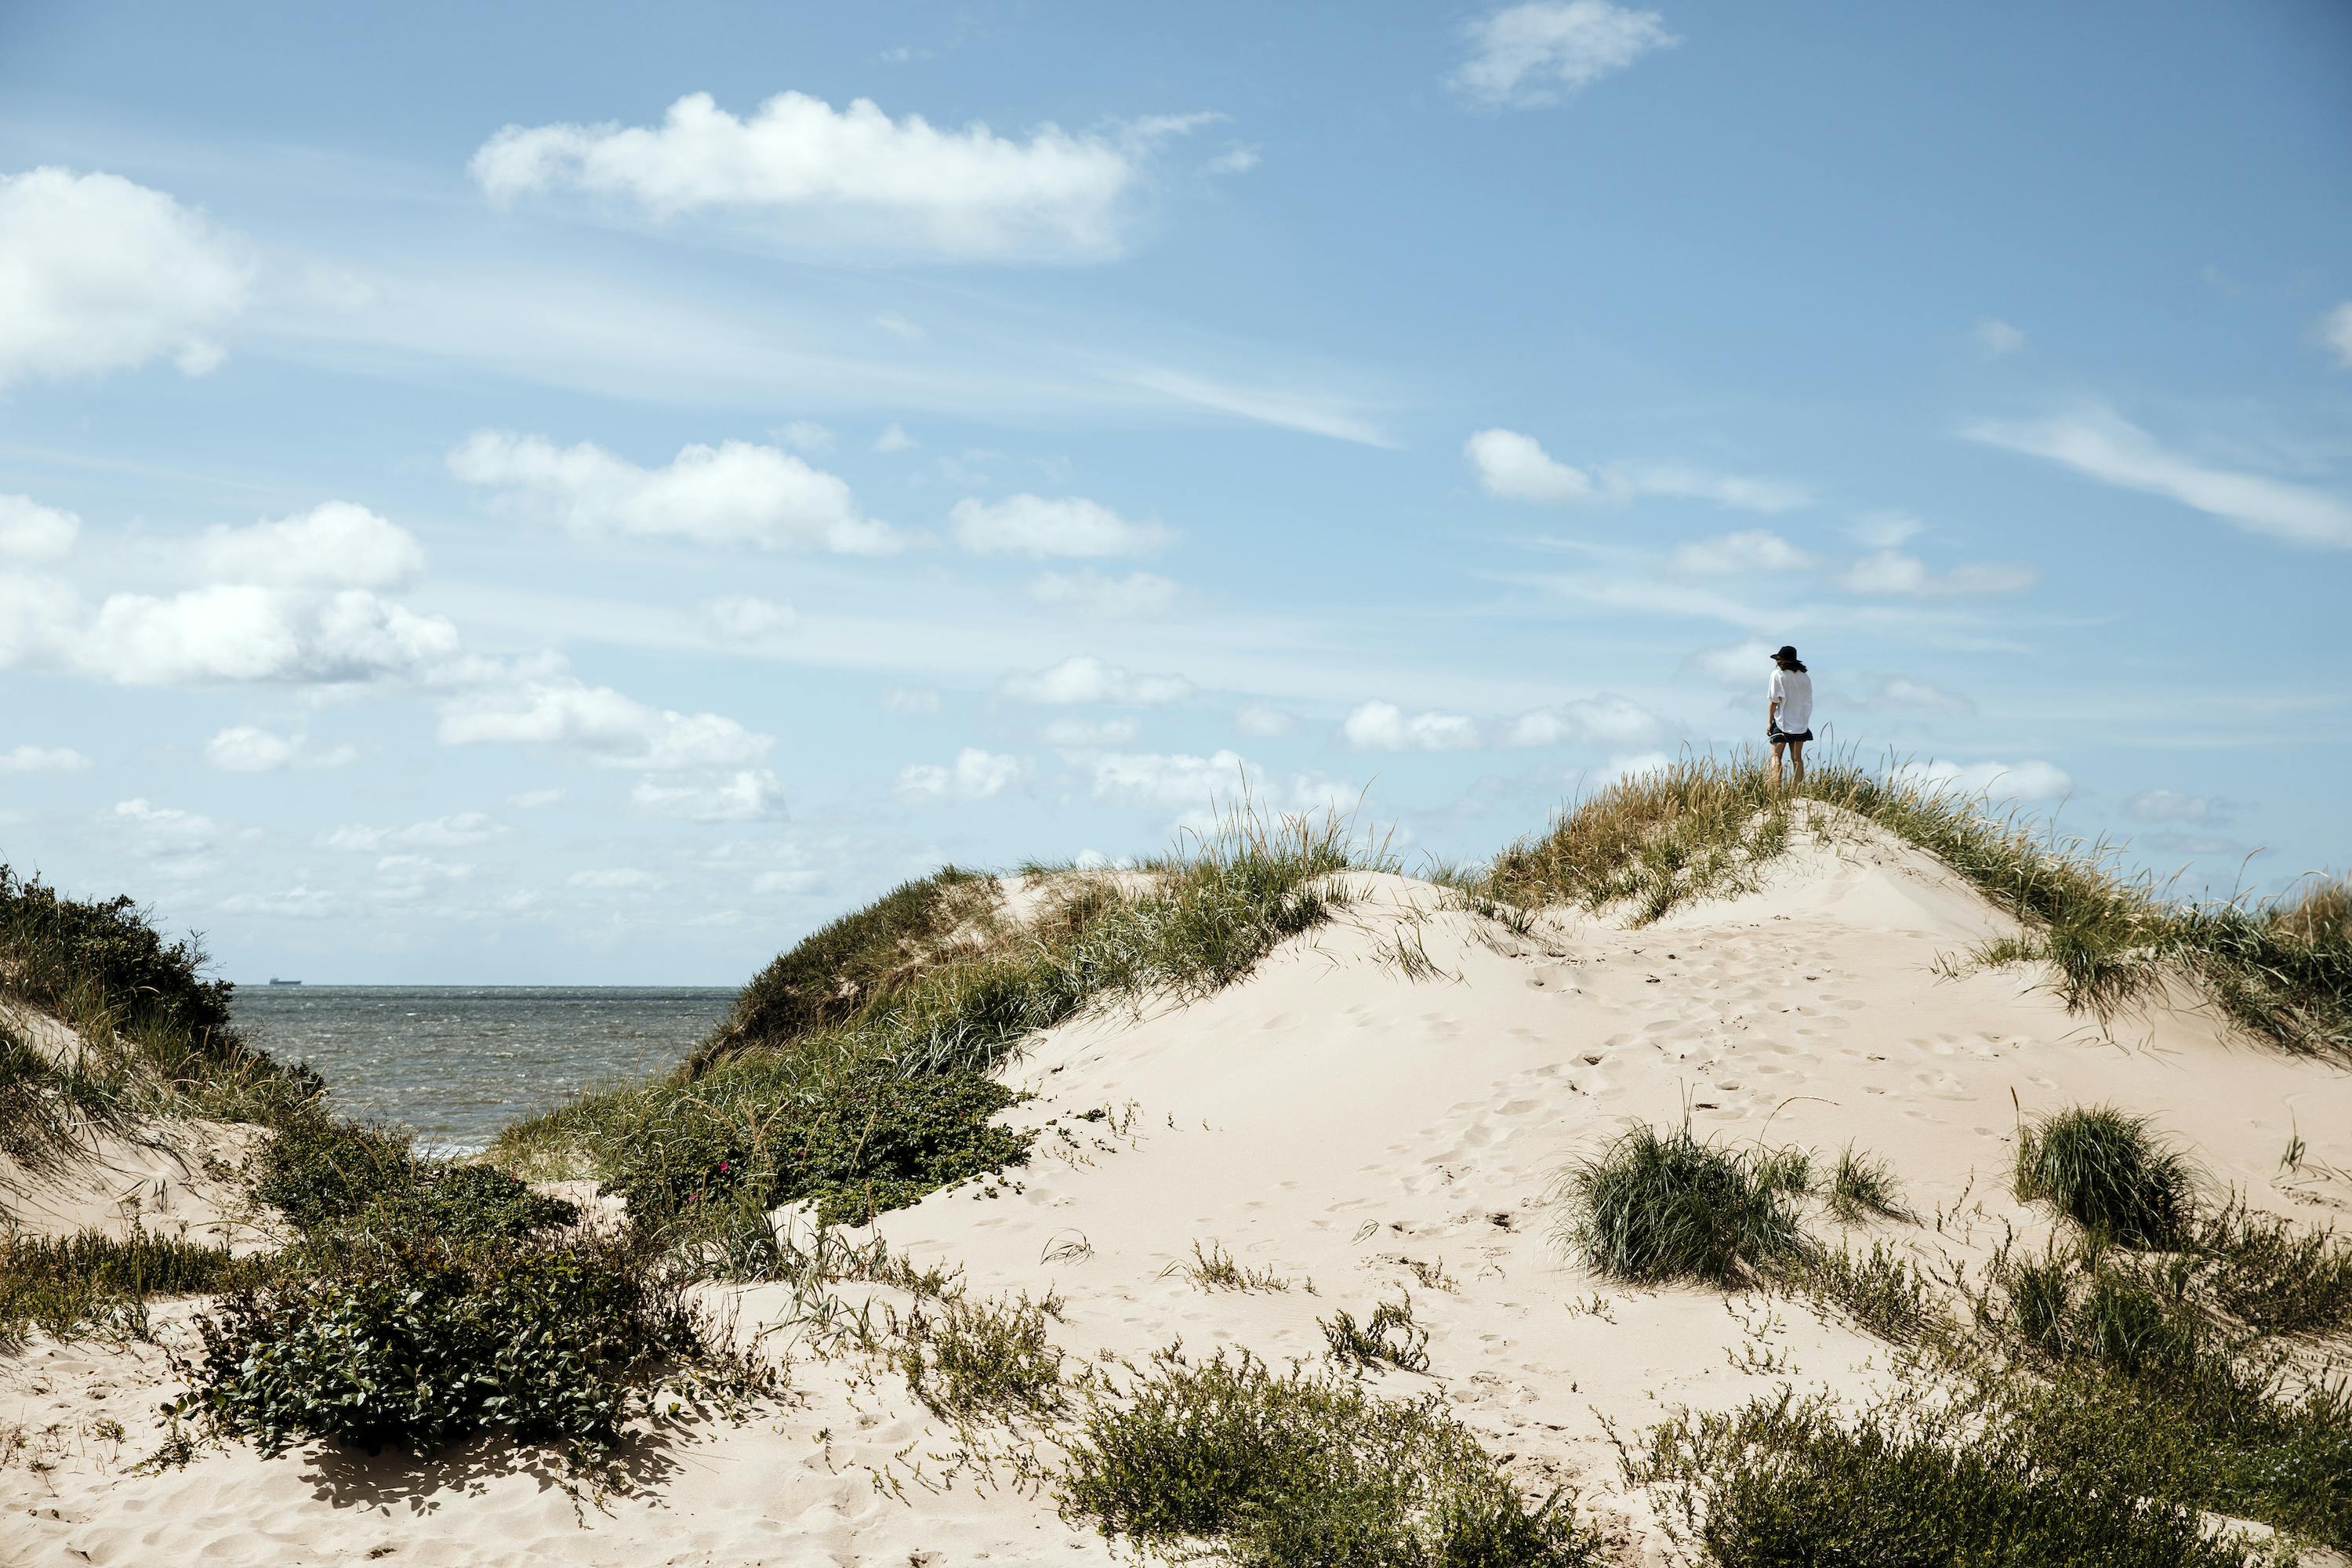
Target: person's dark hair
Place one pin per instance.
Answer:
(1787, 660)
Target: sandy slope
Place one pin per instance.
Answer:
(1337, 1121)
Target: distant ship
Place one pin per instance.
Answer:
(275, 981)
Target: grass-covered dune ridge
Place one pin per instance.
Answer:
(886, 1090)
(1709, 827)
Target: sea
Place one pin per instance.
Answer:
(454, 1063)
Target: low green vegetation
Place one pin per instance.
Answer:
(977, 1360)
(1707, 827)
(95, 1284)
(895, 1097)
(1389, 1337)
(1863, 1188)
(2106, 1171)
(1782, 1482)
(1302, 1470)
(1214, 1268)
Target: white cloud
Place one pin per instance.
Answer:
(1377, 726)
(1891, 571)
(1172, 780)
(1138, 596)
(1995, 337)
(895, 439)
(247, 749)
(1085, 679)
(245, 632)
(1735, 664)
(905, 331)
(747, 619)
(97, 274)
(2107, 447)
(299, 903)
(806, 435)
(734, 493)
(1516, 466)
(434, 833)
(2336, 332)
(534, 799)
(1032, 525)
(1234, 159)
(611, 879)
(1726, 554)
(1263, 720)
(413, 871)
(918, 701)
(1526, 56)
(336, 545)
(43, 760)
(2168, 806)
(1673, 599)
(1900, 693)
(31, 532)
(750, 794)
(1092, 735)
(2026, 781)
(603, 723)
(1613, 721)
(975, 774)
(1888, 530)
(851, 176)
(1316, 414)
(174, 843)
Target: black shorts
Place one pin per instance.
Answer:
(1777, 736)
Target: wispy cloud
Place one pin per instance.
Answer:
(1516, 466)
(2104, 446)
(1523, 56)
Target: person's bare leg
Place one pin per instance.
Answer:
(1796, 762)
(1777, 749)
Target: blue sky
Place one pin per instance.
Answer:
(580, 493)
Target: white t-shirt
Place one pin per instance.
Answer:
(1794, 688)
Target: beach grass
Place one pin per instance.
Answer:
(96, 1284)
(2110, 1172)
(1301, 1469)
(1654, 1206)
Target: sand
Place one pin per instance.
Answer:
(1336, 1120)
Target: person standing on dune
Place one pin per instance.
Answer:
(1789, 712)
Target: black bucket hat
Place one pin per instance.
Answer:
(1787, 651)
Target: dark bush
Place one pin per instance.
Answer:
(414, 1344)
(70, 954)
(839, 968)
(465, 1204)
(2108, 1172)
(1303, 1471)
(869, 1141)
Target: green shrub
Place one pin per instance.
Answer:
(1782, 1484)
(2106, 1171)
(2267, 1273)
(1883, 1292)
(1653, 1207)
(983, 1359)
(94, 1283)
(317, 1168)
(1303, 1471)
(102, 961)
(870, 1141)
(414, 1344)
(465, 1204)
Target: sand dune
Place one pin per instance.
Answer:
(1340, 1123)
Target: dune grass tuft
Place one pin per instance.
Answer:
(1302, 1470)
(1862, 1188)
(2108, 1172)
(1389, 1337)
(1655, 1206)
